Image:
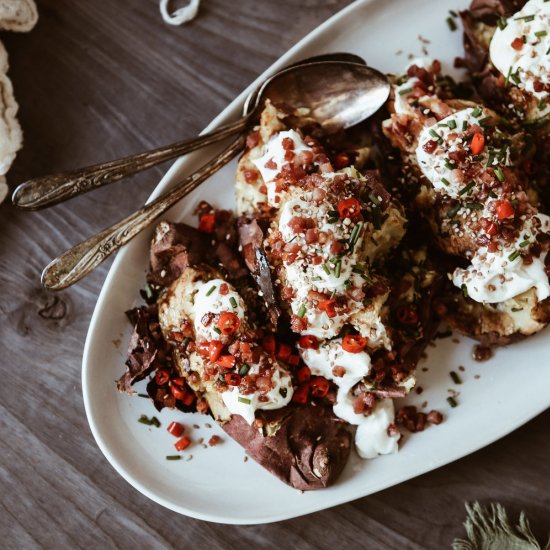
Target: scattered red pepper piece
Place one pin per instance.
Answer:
(228, 323)
(349, 208)
(207, 222)
(354, 343)
(309, 342)
(303, 374)
(504, 209)
(477, 144)
(162, 377)
(176, 429)
(301, 394)
(232, 379)
(182, 443)
(319, 386)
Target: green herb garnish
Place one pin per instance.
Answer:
(210, 290)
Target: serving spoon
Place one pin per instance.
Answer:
(337, 94)
(46, 191)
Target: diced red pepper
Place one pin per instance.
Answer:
(207, 222)
(329, 307)
(162, 377)
(517, 43)
(182, 443)
(354, 343)
(303, 374)
(177, 387)
(226, 361)
(301, 394)
(477, 144)
(204, 349)
(283, 351)
(228, 323)
(491, 228)
(504, 209)
(214, 350)
(232, 379)
(269, 344)
(188, 398)
(349, 208)
(309, 342)
(293, 360)
(176, 429)
(319, 386)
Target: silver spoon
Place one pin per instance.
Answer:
(338, 94)
(49, 190)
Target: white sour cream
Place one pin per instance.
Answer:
(208, 299)
(531, 63)
(275, 152)
(247, 405)
(435, 166)
(494, 278)
(372, 436)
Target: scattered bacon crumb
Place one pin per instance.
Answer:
(416, 421)
(419, 390)
(214, 440)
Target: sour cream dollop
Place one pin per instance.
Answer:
(372, 436)
(520, 51)
(500, 276)
(272, 161)
(209, 299)
(246, 405)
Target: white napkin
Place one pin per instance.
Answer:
(18, 16)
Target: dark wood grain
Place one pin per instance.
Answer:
(98, 80)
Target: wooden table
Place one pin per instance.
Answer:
(102, 79)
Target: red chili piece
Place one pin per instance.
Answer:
(301, 394)
(329, 307)
(214, 350)
(226, 361)
(232, 379)
(177, 387)
(176, 429)
(269, 344)
(162, 377)
(477, 144)
(353, 343)
(349, 208)
(207, 222)
(228, 323)
(303, 374)
(504, 209)
(319, 386)
(283, 351)
(309, 342)
(182, 444)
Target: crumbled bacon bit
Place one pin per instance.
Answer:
(251, 176)
(517, 43)
(435, 417)
(339, 371)
(252, 140)
(224, 289)
(214, 440)
(271, 164)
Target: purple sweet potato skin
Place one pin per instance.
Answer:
(309, 450)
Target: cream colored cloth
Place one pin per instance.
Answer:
(18, 16)
(180, 15)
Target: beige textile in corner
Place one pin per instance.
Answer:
(18, 16)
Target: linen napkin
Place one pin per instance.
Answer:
(18, 16)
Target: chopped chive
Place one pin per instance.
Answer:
(464, 289)
(540, 33)
(508, 77)
(405, 91)
(526, 18)
(333, 220)
(453, 13)
(143, 395)
(302, 311)
(153, 421)
(244, 400)
(499, 174)
(477, 112)
(353, 235)
(466, 188)
(293, 238)
(217, 330)
(452, 24)
(451, 124)
(233, 302)
(483, 121)
(449, 165)
(455, 377)
(243, 371)
(515, 254)
(347, 284)
(453, 211)
(211, 290)
(523, 244)
(515, 77)
(173, 457)
(333, 294)
(338, 269)
(436, 136)
(474, 206)
(464, 125)
(185, 342)
(446, 181)
(326, 269)
(452, 402)
(516, 309)
(442, 125)
(492, 194)
(502, 23)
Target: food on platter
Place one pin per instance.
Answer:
(298, 321)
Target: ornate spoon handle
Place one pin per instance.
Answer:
(49, 190)
(80, 260)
